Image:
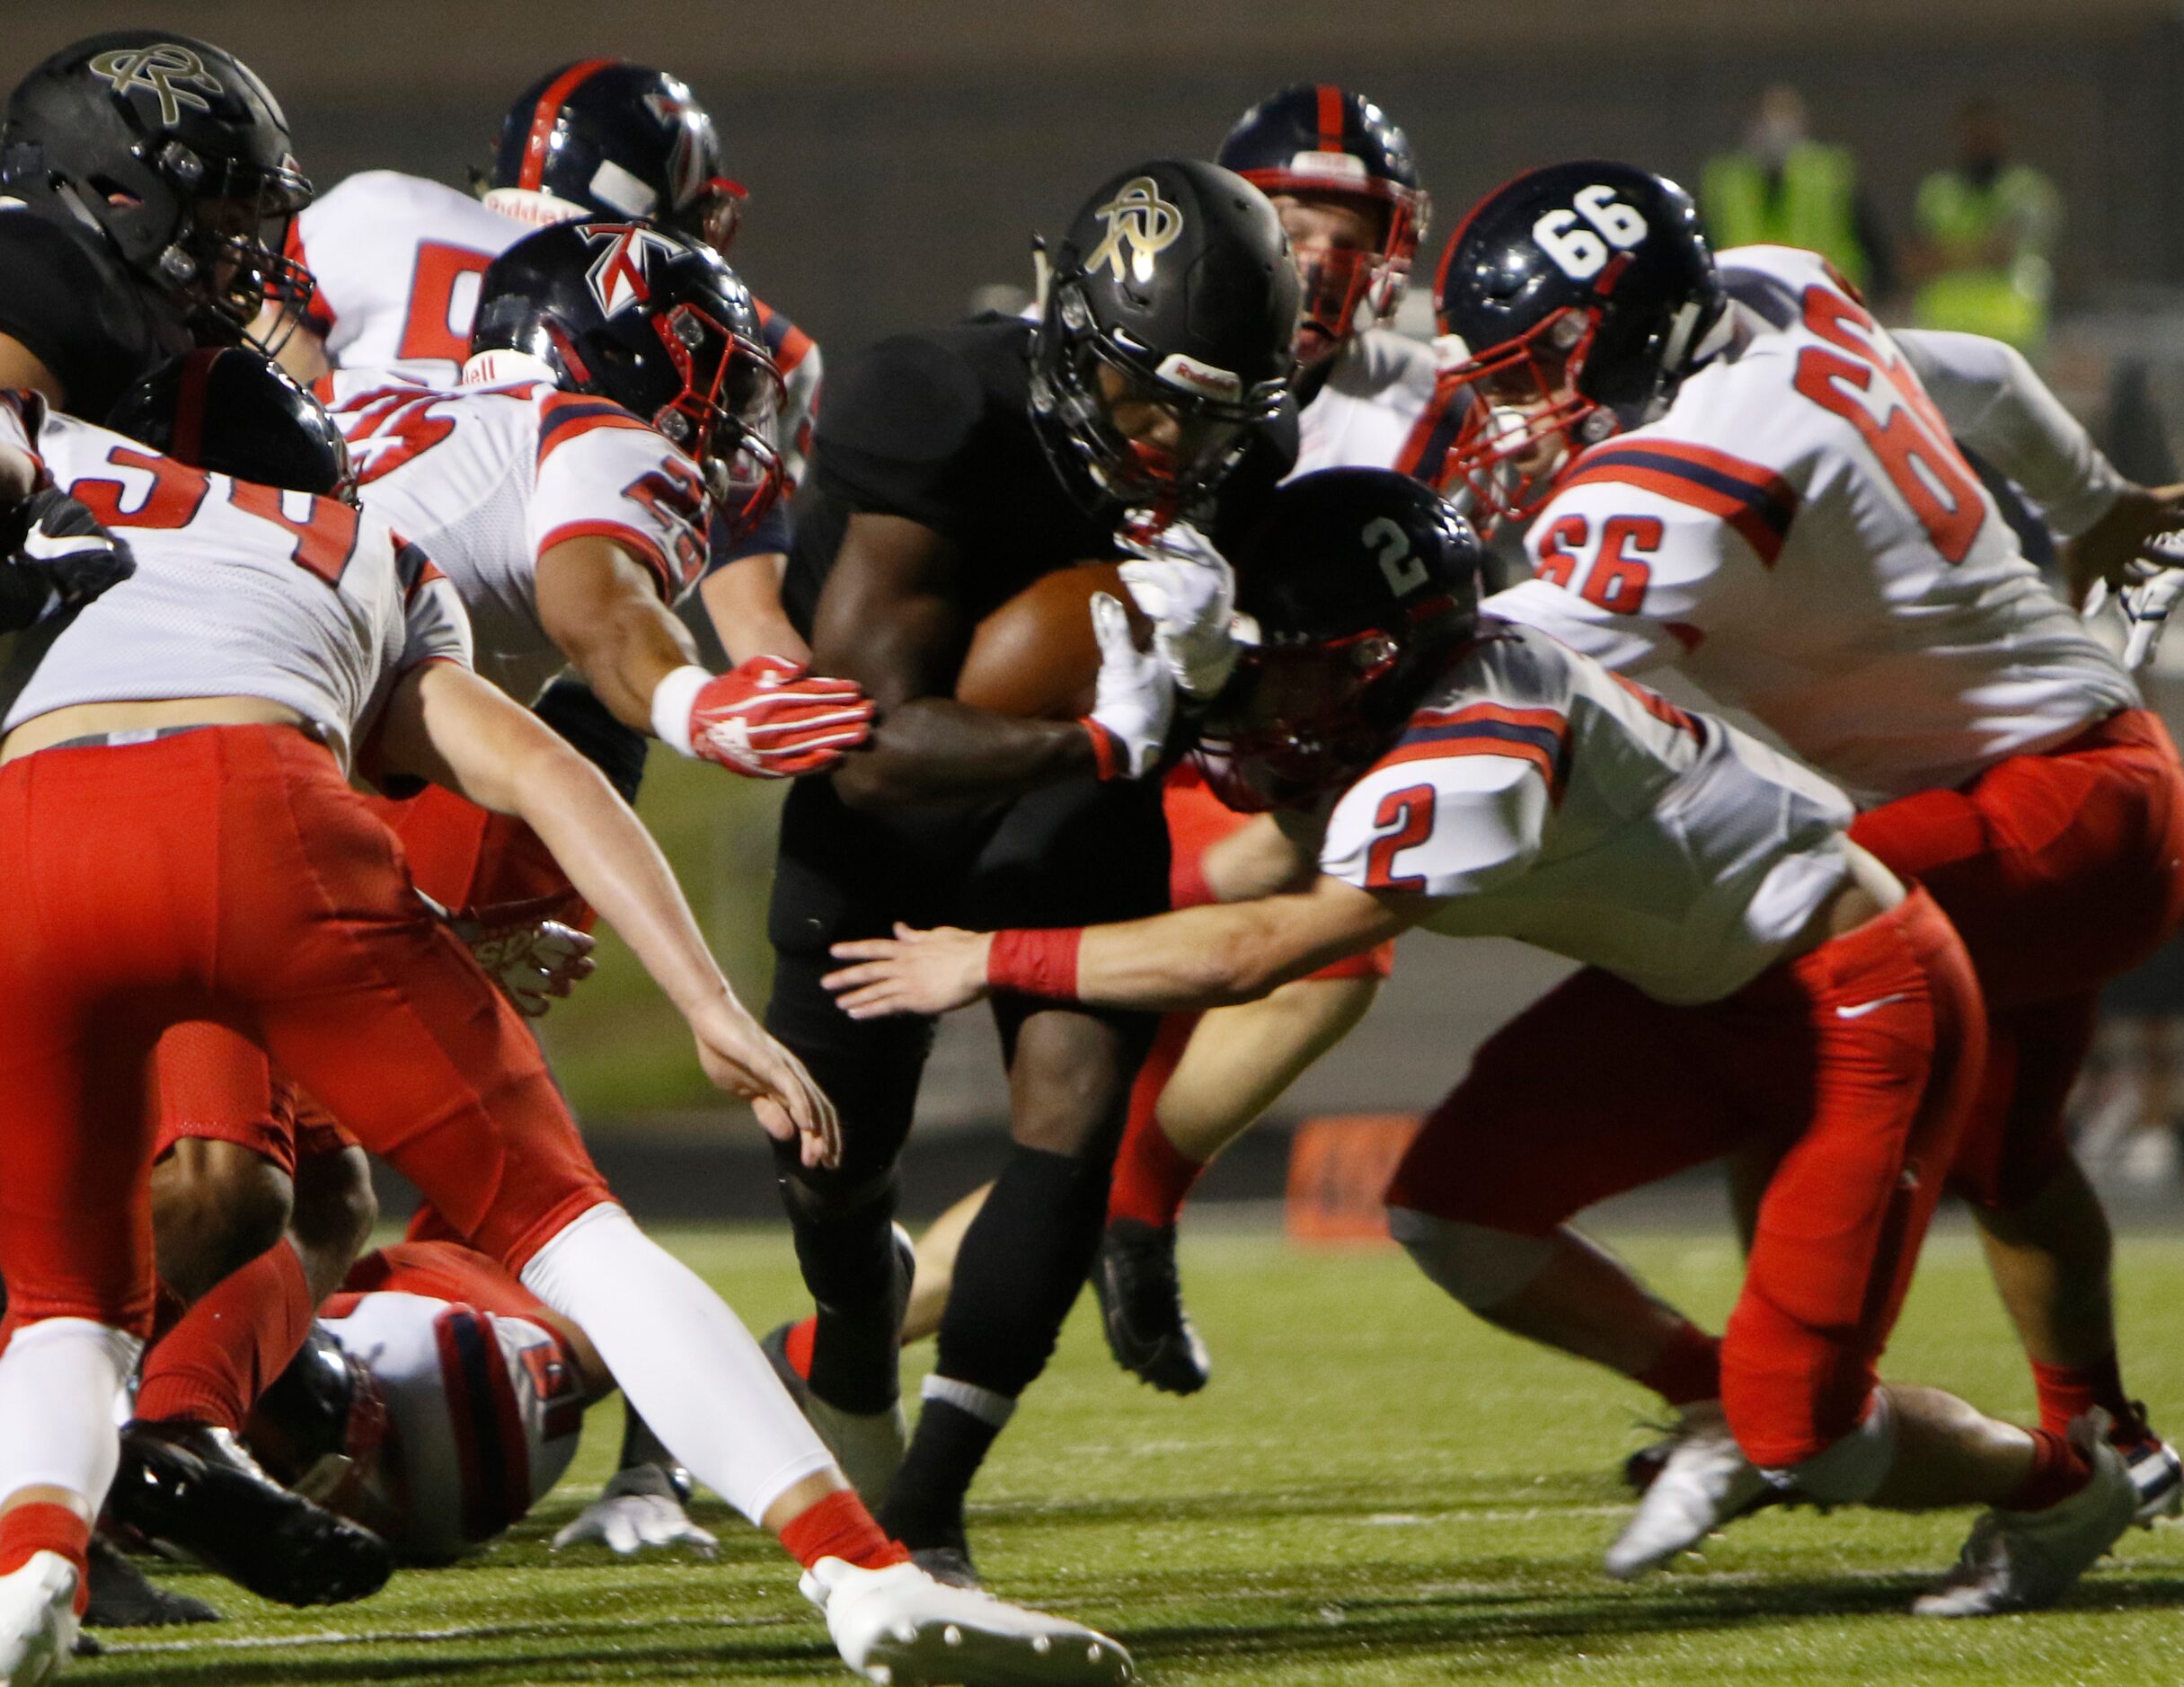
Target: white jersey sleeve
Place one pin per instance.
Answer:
(602, 472)
(1995, 404)
(1442, 824)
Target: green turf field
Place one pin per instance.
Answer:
(1373, 1489)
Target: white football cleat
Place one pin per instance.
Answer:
(36, 1619)
(2023, 1561)
(899, 1627)
(2157, 1476)
(1705, 1483)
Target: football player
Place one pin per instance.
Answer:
(1748, 971)
(194, 729)
(950, 469)
(1733, 468)
(395, 260)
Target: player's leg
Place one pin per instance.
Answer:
(935, 1269)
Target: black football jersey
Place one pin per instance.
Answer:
(937, 427)
(79, 312)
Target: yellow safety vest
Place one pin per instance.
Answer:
(2008, 302)
(1814, 208)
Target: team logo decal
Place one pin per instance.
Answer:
(617, 275)
(174, 75)
(686, 162)
(1139, 219)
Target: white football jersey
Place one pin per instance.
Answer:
(396, 260)
(1377, 408)
(489, 479)
(240, 590)
(1802, 535)
(1538, 796)
(486, 1411)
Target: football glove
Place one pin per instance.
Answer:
(2151, 588)
(1134, 701)
(532, 960)
(772, 719)
(60, 560)
(638, 1508)
(1188, 591)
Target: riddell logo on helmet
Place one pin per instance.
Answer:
(1140, 218)
(1335, 166)
(174, 74)
(1202, 378)
(617, 275)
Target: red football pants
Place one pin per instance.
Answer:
(2060, 871)
(230, 874)
(1865, 1051)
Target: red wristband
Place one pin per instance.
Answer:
(1041, 963)
(1106, 748)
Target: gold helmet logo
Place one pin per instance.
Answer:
(1140, 218)
(173, 73)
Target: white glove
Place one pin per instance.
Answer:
(2146, 606)
(636, 1509)
(1188, 591)
(532, 960)
(1134, 699)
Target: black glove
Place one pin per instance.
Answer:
(59, 559)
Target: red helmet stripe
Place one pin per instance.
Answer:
(548, 113)
(1330, 118)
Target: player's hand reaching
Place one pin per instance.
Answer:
(2104, 554)
(772, 719)
(638, 1508)
(912, 972)
(58, 558)
(1134, 699)
(1189, 591)
(739, 1057)
(532, 960)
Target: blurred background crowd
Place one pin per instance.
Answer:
(2005, 166)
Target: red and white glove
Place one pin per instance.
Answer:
(532, 960)
(766, 719)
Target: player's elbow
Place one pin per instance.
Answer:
(1243, 964)
(866, 782)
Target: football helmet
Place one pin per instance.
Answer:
(1582, 295)
(607, 137)
(229, 410)
(319, 1426)
(654, 320)
(1353, 590)
(1173, 290)
(175, 154)
(1317, 141)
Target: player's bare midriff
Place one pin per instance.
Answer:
(82, 721)
(1869, 892)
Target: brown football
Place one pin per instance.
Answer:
(1035, 657)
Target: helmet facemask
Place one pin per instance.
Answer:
(229, 257)
(1348, 288)
(1298, 720)
(727, 416)
(1527, 419)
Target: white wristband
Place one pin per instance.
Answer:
(672, 701)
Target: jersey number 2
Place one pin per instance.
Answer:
(1403, 820)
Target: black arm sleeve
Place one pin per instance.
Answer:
(891, 435)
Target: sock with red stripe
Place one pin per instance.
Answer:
(1153, 1178)
(2058, 1470)
(1688, 1370)
(798, 1346)
(840, 1527)
(242, 1334)
(2069, 1390)
(29, 1530)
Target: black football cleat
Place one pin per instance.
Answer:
(123, 1597)
(193, 1489)
(1141, 1308)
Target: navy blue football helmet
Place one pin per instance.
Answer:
(1582, 295)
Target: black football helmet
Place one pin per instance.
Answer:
(1319, 141)
(1582, 295)
(1354, 588)
(606, 138)
(179, 156)
(1172, 288)
(654, 320)
(231, 410)
(320, 1425)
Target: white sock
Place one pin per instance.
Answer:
(58, 1381)
(684, 1359)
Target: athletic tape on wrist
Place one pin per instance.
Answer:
(1042, 963)
(672, 698)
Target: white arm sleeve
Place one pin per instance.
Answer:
(1995, 404)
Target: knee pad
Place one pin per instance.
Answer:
(1848, 1471)
(1481, 1267)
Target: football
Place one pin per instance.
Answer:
(1035, 655)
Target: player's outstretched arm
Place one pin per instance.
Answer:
(1194, 958)
(890, 619)
(445, 724)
